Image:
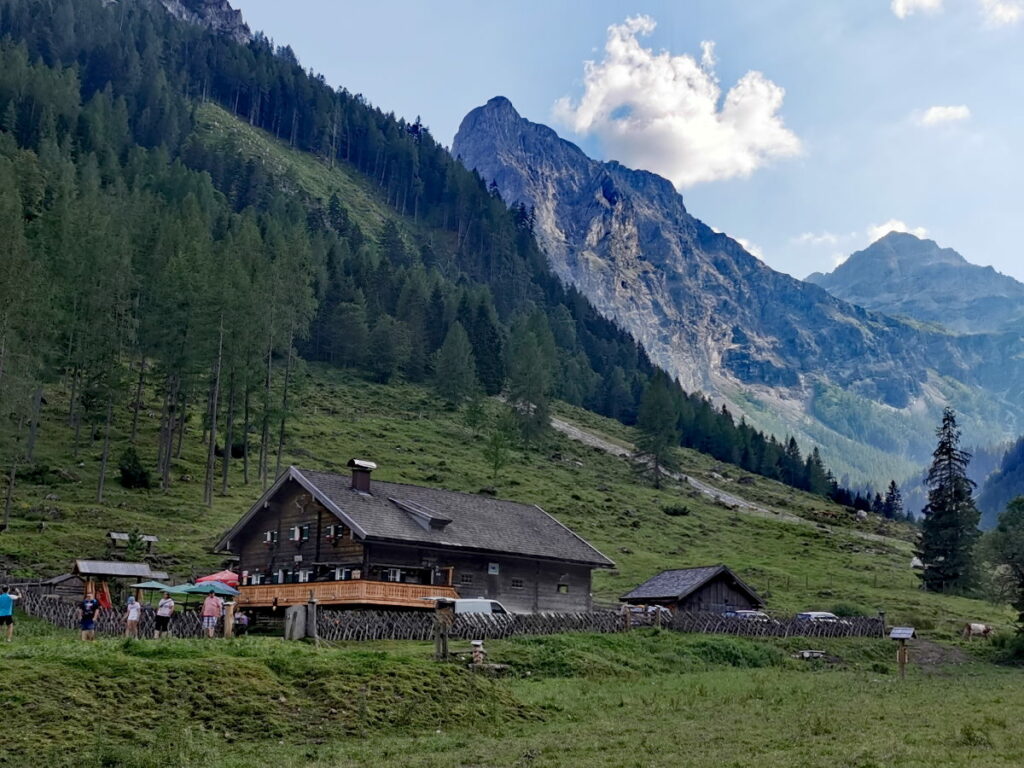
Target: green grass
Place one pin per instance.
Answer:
(647, 698)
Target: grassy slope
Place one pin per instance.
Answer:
(414, 439)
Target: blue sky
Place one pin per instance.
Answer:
(805, 177)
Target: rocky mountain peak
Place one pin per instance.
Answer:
(907, 275)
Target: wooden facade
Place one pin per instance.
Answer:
(295, 545)
(705, 589)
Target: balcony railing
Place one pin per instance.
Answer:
(355, 592)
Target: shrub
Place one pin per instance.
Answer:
(676, 510)
(849, 609)
(36, 474)
(133, 474)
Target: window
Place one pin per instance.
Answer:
(498, 608)
(343, 574)
(270, 537)
(304, 531)
(281, 577)
(303, 576)
(393, 574)
(493, 569)
(517, 584)
(563, 589)
(466, 578)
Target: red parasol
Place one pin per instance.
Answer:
(224, 577)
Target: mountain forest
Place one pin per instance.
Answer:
(139, 256)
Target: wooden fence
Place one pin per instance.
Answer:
(65, 614)
(333, 625)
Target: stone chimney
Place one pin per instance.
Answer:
(361, 474)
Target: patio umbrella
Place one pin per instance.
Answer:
(149, 585)
(207, 587)
(224, 577)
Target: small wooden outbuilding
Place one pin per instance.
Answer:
(712, 588)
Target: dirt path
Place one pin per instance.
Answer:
(731, 500)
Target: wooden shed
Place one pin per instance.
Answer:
(707, 588)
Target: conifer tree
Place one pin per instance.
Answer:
(455, 369)
(1006, 543)
(659, 437)
(892, 507)
(529, 385)
(950, 527)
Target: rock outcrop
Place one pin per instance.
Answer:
(216, 15)
(901, 274)
(790, 355)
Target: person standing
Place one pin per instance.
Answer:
(7, 610)
(88, 613)
(164, 611)
(213, 607)
(131, 618)
(241, 622)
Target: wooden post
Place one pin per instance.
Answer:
(902, 656)
(311, 624)
(229, 619)
(444, 617)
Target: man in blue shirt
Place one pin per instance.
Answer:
(88, 612)
(7, 610)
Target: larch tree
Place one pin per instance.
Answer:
(455, 368)
(949, 530)
(659, 437)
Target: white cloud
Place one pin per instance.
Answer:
(904, 8)
(752, 248)
(877, 231)
(999, 13)
(810, 238)
(938, 115)
(667, 113)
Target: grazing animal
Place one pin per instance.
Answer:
(972, 629)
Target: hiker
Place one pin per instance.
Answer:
(88, 612)
(7, 609)
(133, 613)
(164, 611)
(241, 623)
(213, 607)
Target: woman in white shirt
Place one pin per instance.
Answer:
(131, 619)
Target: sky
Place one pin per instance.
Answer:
(803, 128)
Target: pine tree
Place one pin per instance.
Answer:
(455, 369)
(950, 527)
(658, 434)
(892, 507)
(1006, 543)
(529, 385)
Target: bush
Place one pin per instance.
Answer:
(133, 474)
(676, 511)
(36, 474)
(849, 609)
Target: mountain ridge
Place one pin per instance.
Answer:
(902, 274)
(718, 318)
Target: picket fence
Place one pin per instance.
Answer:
(64, 614)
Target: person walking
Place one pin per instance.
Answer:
(213, 607)
(88, 612)
(133, 613)
(7, 609)
(164, 611)
(241, 623)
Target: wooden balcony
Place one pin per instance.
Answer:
(386, 594)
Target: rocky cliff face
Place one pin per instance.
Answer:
(217, 15)
(789, 354)
(902, 274)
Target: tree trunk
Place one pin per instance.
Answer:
(9, 497)
(228, 436)
(181, 423)
(211, 453)
(33, 426)
(265, 431)
(171, 419)
(245, 436)
(106, 449)
(284, 405)
(138, 401)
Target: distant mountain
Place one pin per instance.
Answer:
(902, 274)
(1002, 486)
(216, 15)
(793, 358)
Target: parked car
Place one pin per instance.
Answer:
(749, 615)
(820, 617)
(648, 615)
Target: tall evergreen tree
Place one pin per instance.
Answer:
(950, 527)
(658, 434)
(892, 507)
(1006, 543)
(455, 369)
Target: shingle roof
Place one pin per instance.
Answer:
(117, 569)
(413, 513)
(677, 584)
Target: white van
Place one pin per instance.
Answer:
(475, 605)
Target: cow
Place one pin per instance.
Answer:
(972, 629)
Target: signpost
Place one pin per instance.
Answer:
(901, 635)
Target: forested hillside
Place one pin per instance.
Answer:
(145, 247)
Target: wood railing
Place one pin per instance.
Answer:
(355, 592)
